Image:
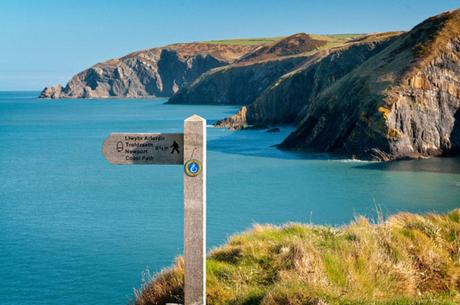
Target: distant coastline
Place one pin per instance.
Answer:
(380, 96)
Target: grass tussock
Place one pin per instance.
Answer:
(405, 260)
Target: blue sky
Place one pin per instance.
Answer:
(45, 42)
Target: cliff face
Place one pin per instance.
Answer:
(250, 67)
(153, 72)
(285, 101)
(242, 82)
(382, 97)
(235, 84)
(402, 102)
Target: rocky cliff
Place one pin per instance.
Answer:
(285, 100)
(402, 102)
(381, 97)
(154, 72)
(219, 72)
(242, 82)
(235, 84)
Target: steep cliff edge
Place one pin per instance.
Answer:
(402, 102)
(153, 72)
(235, 84)
(284, 101)
(245, 80)
(379, 97)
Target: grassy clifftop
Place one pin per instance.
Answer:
(331, 39)
(407, 259)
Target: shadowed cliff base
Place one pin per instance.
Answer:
(450, 165)
(407, 259)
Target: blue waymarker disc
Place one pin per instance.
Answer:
(192, 168)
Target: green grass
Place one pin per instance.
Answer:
(332, 39)
(408, 259)
(245, 41)
(336, 37)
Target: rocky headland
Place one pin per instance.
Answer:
(156, 72)
(380, 96)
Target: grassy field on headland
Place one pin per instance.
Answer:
(332, 39)
(406, 259)
(245, 41)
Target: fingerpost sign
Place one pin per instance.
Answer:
(189, 150)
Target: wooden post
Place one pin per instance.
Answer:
(188, 149)
(195, 210)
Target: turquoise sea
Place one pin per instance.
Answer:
(77, 230)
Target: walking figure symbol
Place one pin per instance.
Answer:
(175, 147)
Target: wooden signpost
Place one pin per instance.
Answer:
(188, 149)
(144, 148)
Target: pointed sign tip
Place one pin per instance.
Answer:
(194, 117)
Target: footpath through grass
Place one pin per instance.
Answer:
(407, 259)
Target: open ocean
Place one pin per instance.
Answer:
(77, 230)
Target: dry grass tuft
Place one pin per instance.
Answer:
(407, 259)
(167, 287)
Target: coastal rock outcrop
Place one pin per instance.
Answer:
(245, 80)
(403, 102)
(284, 102)
(158, 72)
(381, 96)
(238, 84)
